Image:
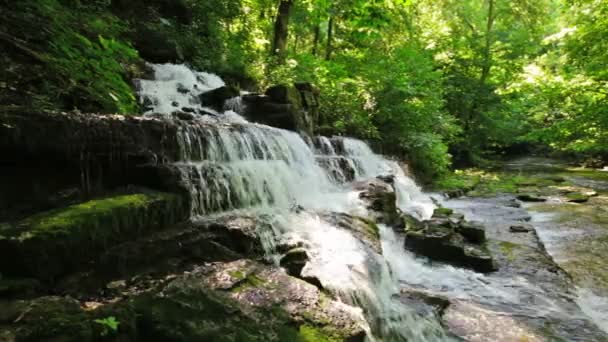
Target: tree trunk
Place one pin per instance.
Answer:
(315, 41)
(487, 55)
(281, 32)
(330, 33)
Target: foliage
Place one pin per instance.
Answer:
(84, 63)
(109, 325)
(433, 81)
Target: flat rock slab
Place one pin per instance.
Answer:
(52, 243)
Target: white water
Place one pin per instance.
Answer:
(240, 165)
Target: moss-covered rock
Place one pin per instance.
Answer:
(380, 199)
(577, 197)
(366, 230)
(442, 212)
(242, 301)
(55, 242)
(458, 243)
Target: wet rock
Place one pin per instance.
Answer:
(512, 203)
(184, 115)
(380, 199)
(424, 302)
(473, 231)
(217, 97)
(188, 110)
(294, 261)
(443, 244)
(531, 198)
(455, 193)
(182, 89)
(389, 179)
(521, 228)
(364, 229)
(577, 197)
(442, 212)
(339, 168)
(409, 222)
(474, 323)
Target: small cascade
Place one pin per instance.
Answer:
(174, 88)
(230, 164)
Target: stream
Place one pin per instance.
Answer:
(575, 235)
(231, 165)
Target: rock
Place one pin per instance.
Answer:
(283, 106)
(364, 229)
(442, 212)
(188, 110)
(389, 179)
(513, 203)
(424, 302)
(53, 243)
(182, 89)
(443, 244)
(242, 301)
(175, 104)
(473, 231)
(339, 168)
(475, 323)
(217, 97)
(222, 238)
(531, 198)
(454, 193)
(380, 199)
(577, 197)
(294, 261)
(409, 222)
(555, 178)
(521, 228)
(184, 115)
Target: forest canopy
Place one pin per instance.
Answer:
(436, 81)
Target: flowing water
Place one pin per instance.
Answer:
(230, 164)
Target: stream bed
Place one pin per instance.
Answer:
(548, 275)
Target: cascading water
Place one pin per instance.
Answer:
(232, 164)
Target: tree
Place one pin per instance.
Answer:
(281, 29)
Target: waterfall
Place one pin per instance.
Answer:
(230, 164)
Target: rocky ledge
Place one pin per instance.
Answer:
(447, 237)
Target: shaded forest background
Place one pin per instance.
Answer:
(440, 82)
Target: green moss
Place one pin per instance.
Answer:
(482, 183)
(442, 212)
(577, 197)
(309, 333)
(508, 249)
(56, 241)
(237, 274)
(371, 226)
(64, 221)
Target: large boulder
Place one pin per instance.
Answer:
(244, 301)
